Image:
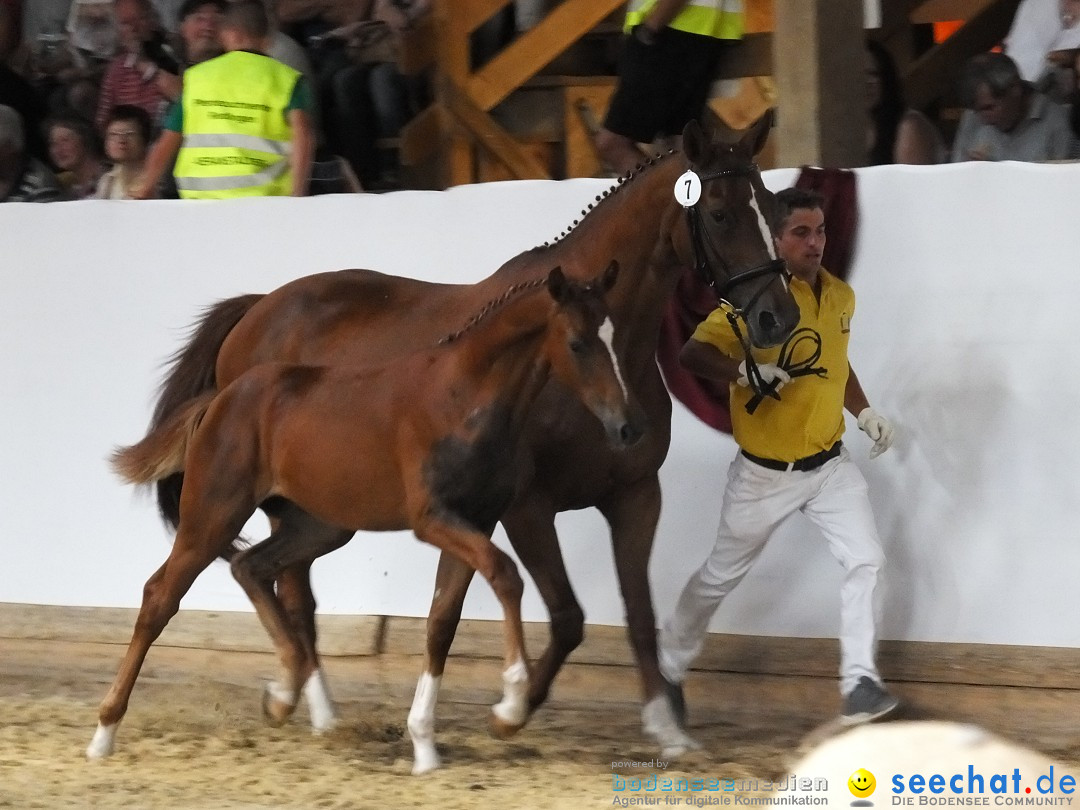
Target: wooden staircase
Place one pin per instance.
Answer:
(524, 115)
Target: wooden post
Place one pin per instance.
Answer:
(819, 66)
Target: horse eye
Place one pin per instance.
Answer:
(577, 345)
(719, 217)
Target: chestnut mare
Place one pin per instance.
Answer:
(361, 316)
(426, 442)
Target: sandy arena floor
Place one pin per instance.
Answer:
(194, 736)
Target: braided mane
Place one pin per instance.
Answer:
(491, 306)
(620, 184)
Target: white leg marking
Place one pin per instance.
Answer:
(422, 724)
(658, 721)
(513, 709)
(103, 742)
(607, 334)
(320, 706)
(281, 694)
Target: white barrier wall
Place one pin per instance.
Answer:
(964, 334)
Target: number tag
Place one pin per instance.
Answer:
(688, 188)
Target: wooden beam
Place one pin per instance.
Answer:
(910, 661)
(528, 54)
(422, 136)
(489, 135)
(932, 11)
(418, 47)
(933, 75)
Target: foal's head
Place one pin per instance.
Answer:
(580, 349)
(730, 218)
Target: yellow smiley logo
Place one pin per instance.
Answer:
(861, 783)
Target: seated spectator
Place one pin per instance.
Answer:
(200, 30)
(1074, 96)
(146, 72)
(23, 178)
(13, 51)
(242, 127)
(1006, 118)
(16, 91)
(73, 149)
(367, 97)
(1059, 79)
(1039, 29)
(895, 134)
(127, 139)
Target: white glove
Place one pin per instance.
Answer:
(769, 372)
(878, 428)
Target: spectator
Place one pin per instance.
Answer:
(242, 127)
(1039, 28)
(1059, 78)
(669, 59)
(23, 178)
(200, 30)
(895, 134)
(127, 138)
(13, 52)
(379, 98)
(74, 151)
(1007, 119)
(1074, 96)
(345, 105)
(791, 459)
(146, 72)
(16, 91)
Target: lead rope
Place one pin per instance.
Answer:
(802, 368)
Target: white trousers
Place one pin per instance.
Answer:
(756, 501)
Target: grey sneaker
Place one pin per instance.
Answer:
(867, 701)
(677, 700)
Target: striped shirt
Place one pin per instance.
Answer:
(125, 85)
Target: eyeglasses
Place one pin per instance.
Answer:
(121, 133)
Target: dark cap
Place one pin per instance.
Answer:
(189, 7)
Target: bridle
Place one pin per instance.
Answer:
(701, 243)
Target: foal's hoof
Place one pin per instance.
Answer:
(504, 729)
(276, 708)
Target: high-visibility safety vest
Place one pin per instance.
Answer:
(236, 139)
(720, 19)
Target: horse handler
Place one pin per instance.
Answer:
(791, 458)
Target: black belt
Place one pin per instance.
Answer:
(799, 465)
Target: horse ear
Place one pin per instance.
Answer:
(758, 133)
(695, 142)
(611, 274)
(557, 284)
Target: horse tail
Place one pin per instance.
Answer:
(161, 452)
(191, 373)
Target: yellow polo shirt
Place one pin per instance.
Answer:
(809, 417)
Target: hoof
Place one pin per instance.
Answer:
(504, 729)
(103, 742)
(426, 764)
(275, 711)
(324, 725)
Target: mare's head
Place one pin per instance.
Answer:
(579, 348)
(729, 217)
